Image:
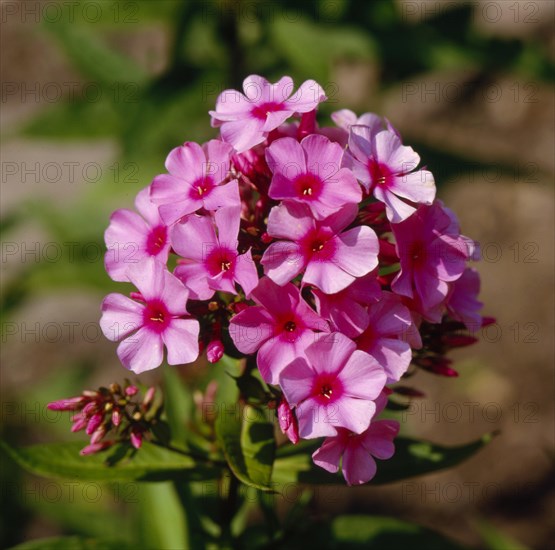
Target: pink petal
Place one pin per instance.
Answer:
(251, 328)
(327, 276)
(283, 261)
(296, 381)
(358, 466)
(307, 97)
(181, 340)
(290, 221)
(285, 156)
(223, 196)
(195, 277)
(329, 454)
(362, 376)
(120, 316)
(145, 207)
(394, 356)
(194, 238)
(187, 162)
(378, 439)
(316, 420)
(357, 251)
(227, 221)
(245, 273)
(331, 352)
(174, 294)
(243, 134)
(350, 413)
(142, 351)
(218, 155)
(417, 186)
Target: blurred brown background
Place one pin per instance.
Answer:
(94, 98)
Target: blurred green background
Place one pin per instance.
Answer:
(95, 94)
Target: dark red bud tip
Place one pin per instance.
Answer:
(487, 321)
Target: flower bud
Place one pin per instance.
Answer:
(288, 422)
(214, 351)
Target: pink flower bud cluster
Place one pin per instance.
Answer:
(321, 250)
(114, 412)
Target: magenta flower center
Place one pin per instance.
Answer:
(319, 246)
(156, 240)
(220, 260)
(308, 186)
(380, 174)
(262, 111)
(201, 187)
(327, 388)
(156, 316)
(367, 339)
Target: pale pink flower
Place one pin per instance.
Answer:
(132, 237)
(333, 386)
(246, 119)
(280, 327)
(329, 258)
(385, 167)
(209, 259)
(197, 179)
(432, 254)
(310, 173)
(159, 320)
(358, 451)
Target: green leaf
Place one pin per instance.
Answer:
(495, 539)
(150, 463)
(178, 404)
(411, 458)
(72, 543)
(247, 439)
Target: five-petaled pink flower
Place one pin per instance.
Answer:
(385, 167)
(386, 336)
(209, 260)
(358, 451)
(158, 319)
(195, 180)
(432, 254)
(280, 327)
(310, 172)
(333, 386)
(329, 258)
(132, 237)
(246, 119)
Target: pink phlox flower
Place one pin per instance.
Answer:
(144, 328)
(462, 302)
(245, 119)
(386, 336)
(345, 118)
(387, 169)
(196, 179)
(333, 386)
(329, 258)
(431, 256)
(310, 173)
(358, 451)
(132, 237)
(280, 327)
(347, 310)
(209, 257)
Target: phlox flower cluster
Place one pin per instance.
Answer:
(321, 252)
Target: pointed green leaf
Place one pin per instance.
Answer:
(150, 463)
(72, 543)
(247, 440)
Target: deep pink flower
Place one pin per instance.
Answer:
(347, 309)
(210, 260)
(132, 237)
(159, 320)
(280, 327)
(195, 181)
(462, 303)
(246, 119)
(358, 451)
(330, 258)
(385, 167)
(333, 387)
(310, 173)
(386, 336)
(431, 255)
